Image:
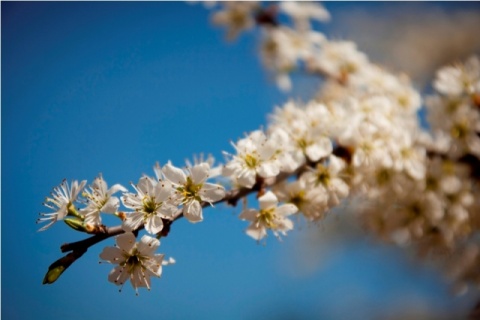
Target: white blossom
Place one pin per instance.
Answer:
(61, 200)
(459, 79)
(310, 201)
(339, 59)
(270, 216)
(303, 12)
(135, 261)
(236, 17)
(151, 204)
(191, 190)
(100, 199)
(327, 179)
(255, 155)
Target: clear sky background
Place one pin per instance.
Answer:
(113, 87)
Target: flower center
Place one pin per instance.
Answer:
(251, 161)
(460, 130)
(323, 176)
(133, 261)
(383, 176)
(267, 217)
(298, 199)
(149, 205)
(238, 18)
(302, 144)
(190, 190)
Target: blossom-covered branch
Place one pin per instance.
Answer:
(359, 136)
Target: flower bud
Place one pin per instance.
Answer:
(53, 274)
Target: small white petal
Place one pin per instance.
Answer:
(168, 211)
(255, 232)
(199, 173)
(193, 211)
(163, 190)
(174, 175)
(286, 209)
(148, 245)
(319, 150)
(268, 200)
(118, 275)
(126, 241)
(154, 224)
(111, 206)
(212, 192)
(112, 255)
(133, 221)
(268, 169)
(249, 214)
(116, 188)
(154, 265)
(247, 178)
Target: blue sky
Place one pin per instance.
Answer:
(113, 87)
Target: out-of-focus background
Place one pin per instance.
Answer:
(113, 87)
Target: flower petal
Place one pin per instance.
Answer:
(247, 178)
(154, 224)
(193, 211)
(268, 200)
(115, 188)
(133, 221)
(126, 241)
(248, 214)
(148, 245)
(322, 148)
(112, 255)
(174, 175)
(255, 232)
(268, 169)
(199, 173)
(286, 209)
(111, 206)
(163, 191)
(167, 211)
(118, 275)
(144, 187)
(212, 192)
(154, 265)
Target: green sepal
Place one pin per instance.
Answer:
(76, 224)
(72, 211)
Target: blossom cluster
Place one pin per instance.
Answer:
(359, 137)
(173, 193)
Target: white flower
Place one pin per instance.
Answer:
(409, 157)
(327, 180)
(215, 171)
(301, 133)
(100, 200)
(309, 201)
(460, 79)
(302, 12)
(135, 261)
(283, 48)
(255, 154)
(339, 59)
(236, 17)
(150, 204)
(191, 190)
(268, 217)
(61, 201)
